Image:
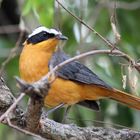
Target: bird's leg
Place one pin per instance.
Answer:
(55, 108)
(67, 109)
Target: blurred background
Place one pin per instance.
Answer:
(19, 17)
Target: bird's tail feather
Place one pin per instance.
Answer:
(125, 98)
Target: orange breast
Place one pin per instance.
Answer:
(33, 67)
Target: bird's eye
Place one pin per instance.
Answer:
(51, 35)
(40, 37)
(45, 34)
(48, 35)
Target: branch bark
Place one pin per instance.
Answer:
(50, 129)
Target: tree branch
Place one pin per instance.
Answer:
(13, 52)
(111, 52)
(11, 107)
(89, 27)
(38, 126)
(50, 129)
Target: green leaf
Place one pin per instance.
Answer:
(27, 7)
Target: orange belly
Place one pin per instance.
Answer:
(69, 92)
(63, 91)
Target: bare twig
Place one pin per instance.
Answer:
(113, 20)
(57, 15)
(89, 27)
(44, 83)
(12, 107)
(33, 89)
(41, 87)
(113, 52)
(23, 131)
(102, 123)
(12, 53)
(33, 114)
(127, 57)
(9, 29)
(53, 130)
(58, 131)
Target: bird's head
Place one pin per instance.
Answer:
(44, 38)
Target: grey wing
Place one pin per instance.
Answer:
(75, 71)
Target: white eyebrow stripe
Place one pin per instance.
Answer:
(42, 28)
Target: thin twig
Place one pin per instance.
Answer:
(89, 27)
(43, 82)
(133, 63)
(7, 29)
(12, 53)
(52, 130)
(103, 123)
(11, 107)
(113, 52)
(23, 131)
(113, 21)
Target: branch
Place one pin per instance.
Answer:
(71, 131)
(90, 28)
(33, 114)
(112, 52)
(38, 126)
(11, 107)
(22, 130)
(112, 46)
(43, 85)
(113, 21)
(21, 29)
(9, 29)
(50, 129)
(12, 53)
(6, 98)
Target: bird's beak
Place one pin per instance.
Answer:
(61, 37)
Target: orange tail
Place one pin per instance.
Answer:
(125, 98)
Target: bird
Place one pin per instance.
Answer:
(75, 83)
